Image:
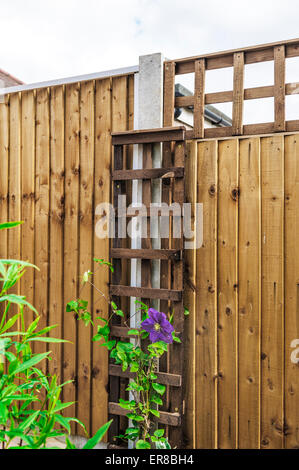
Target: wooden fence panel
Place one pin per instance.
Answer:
(55, 163)
(255, 294)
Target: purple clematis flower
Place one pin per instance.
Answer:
(158, 327)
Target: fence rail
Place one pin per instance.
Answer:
(277, 52)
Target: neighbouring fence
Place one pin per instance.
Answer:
(242, 389)
(55, 157)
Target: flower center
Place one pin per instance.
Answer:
(157, 326)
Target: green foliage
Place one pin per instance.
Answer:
(133, 355)
(30, 405)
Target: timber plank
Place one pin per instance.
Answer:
(172, 419)
(129, 291)
(145, 253)
(102, 166)
(190, 302)
(85, 248)
(249, 294)
(56, 255)
(238, 93)
(71, 239)
(169, 93)
(173, 380)
(272, 171)
(4, 173)
(227, 293)
(42, 208)
(279, 89)
(291, 227)
(148, 173)
(148, 136)
(199, 99)
(206, 300)
(28, 195)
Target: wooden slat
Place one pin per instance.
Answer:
(128, 291)
(174, 380)
(172, 419)
(102, 165)
(272, 354)
(56, 255)
(190, 302)
(145, 253)
(148, 136)
(238, 93)
(291, 227)
(42, 207)
(176, 354)
(4, 172)
(148, 173)
(199, 99)
(249, 294)
(85, 247)
(279, 89)
(206, 300)
(227, 293)
(28, 194)
(71, 238)
(169, 91)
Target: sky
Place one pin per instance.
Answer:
(49, 39)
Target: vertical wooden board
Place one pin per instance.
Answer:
(249, 294)
(86, 247)
(4, 172)
(14, 212)
(169, 93)
(119, 123)
(102, 168)
(199, 98)
(272, 171)
(71, 238)
(190, 302)
(28, 195)
(42, 193)
(291, 226)
(238, 93)
(56, 303)
(279, 89)
(206, 300)
(227, 293)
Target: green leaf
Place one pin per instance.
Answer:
(159, 433)
(10, 225)
(61, 406)
(127, 405)
(47, 339)
(186, 311)
(69, 444)
(134, 367)
(155, 413)
(31, 362)
(120, 313)
(175, 338)
(159, 388)
(17, 299)
(142, 444)
(134, 332)
(72, 306)
(135, 417)
(10, 323)
(157, 400)
(91, 443)
(30, 420)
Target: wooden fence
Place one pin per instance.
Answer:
(242, 389)
(55, 155)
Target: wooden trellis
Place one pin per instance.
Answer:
(277, 52)
(171, 291)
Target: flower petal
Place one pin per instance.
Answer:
(166, 337)
(155, 336)
(154, 315)
(148, 324)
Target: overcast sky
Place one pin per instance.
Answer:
(48, 39)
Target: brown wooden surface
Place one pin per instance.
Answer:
(58, 168)
(171, 419)
(144, 253)
(238, 93)
(199, 99)
(145, 292)
(174, 380)
(279, 88)
(166, 134)
(148, 173)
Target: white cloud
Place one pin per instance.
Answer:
(43, 40)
